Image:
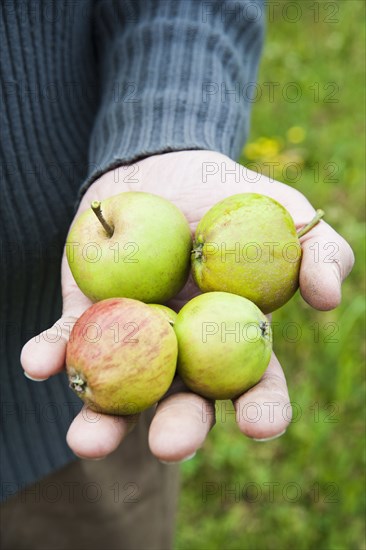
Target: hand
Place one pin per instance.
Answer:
(194, 181)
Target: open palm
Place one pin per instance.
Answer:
(195, 181)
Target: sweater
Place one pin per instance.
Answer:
(87, 85)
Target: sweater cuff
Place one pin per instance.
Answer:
(175, 77)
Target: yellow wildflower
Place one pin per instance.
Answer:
(296, 134)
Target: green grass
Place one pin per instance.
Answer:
(316, 469)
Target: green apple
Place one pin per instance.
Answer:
(134, 245)
(168, 313)
(247, 244)
(121, 357)
(224, 344)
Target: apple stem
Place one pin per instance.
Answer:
(77, 383)
(197, 251)
(316, 219)
(96, 207)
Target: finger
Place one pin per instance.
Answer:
(93, 435)
(180, 426)
(264, 411)
(327, 260)
(44, 355)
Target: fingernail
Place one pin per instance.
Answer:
(34, 379)
(179, 461)
(269, 438)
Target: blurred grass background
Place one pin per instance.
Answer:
(306, 489)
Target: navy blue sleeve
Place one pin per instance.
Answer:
(174, 75)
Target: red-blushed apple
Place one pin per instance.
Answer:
(121, 357)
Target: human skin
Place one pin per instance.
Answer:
(194, 181)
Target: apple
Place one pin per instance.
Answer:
(168, 313)
(247, 244)
(224, 344)
(121, 357)
(134, 245)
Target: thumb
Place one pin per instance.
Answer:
(327, 260)
(44, 355)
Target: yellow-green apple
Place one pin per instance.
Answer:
(224, 344)
(121, 357)
(134, 245)
(247, 244)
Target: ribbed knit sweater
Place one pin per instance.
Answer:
(85, 86)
